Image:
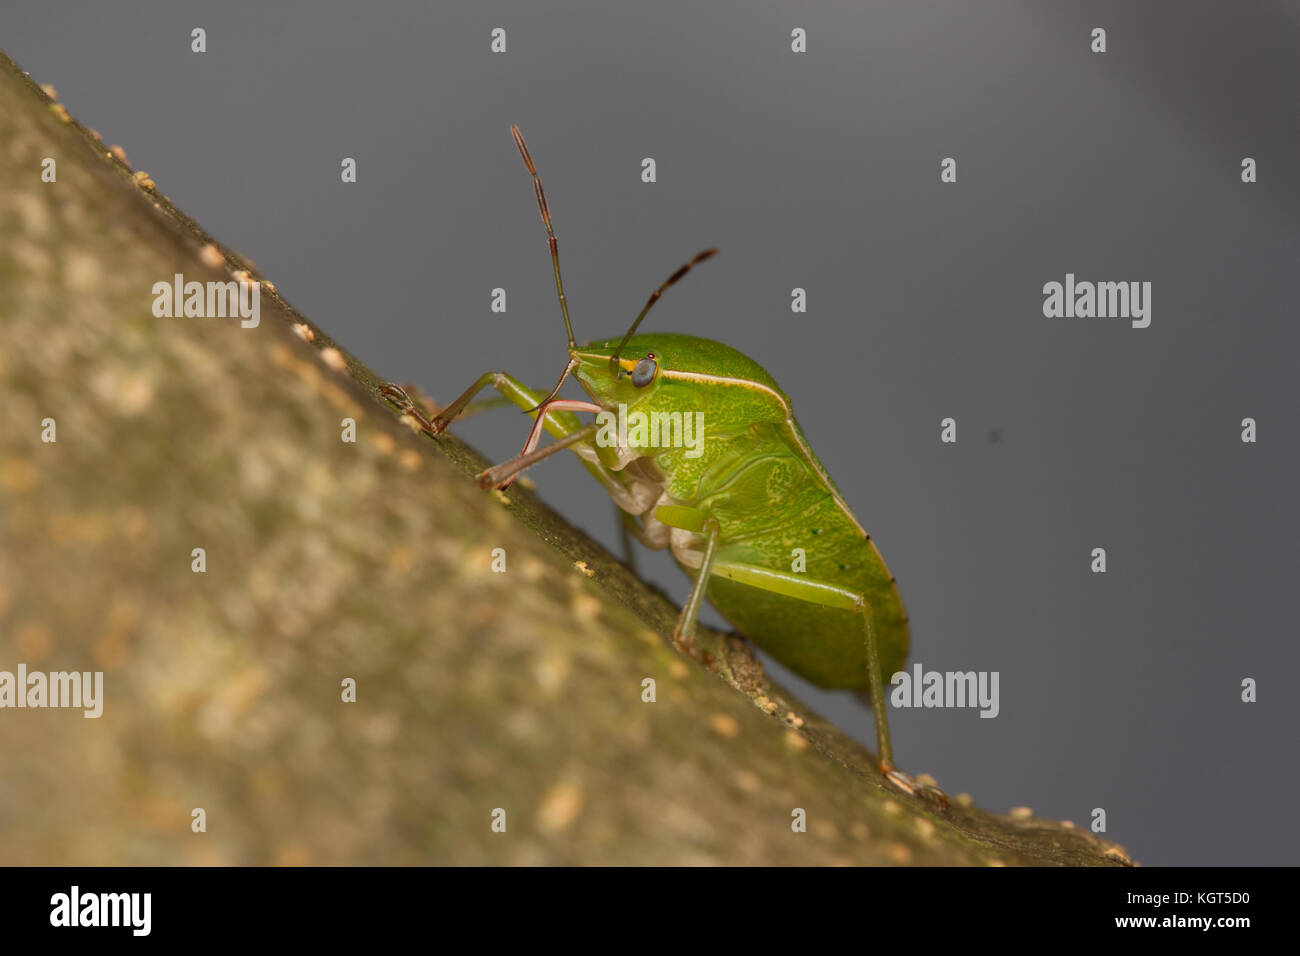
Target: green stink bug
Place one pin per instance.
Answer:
(733, 504)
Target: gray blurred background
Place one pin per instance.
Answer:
(821, 170)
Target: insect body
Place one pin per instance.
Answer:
(745, 507)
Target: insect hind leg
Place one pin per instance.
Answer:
(824, 594)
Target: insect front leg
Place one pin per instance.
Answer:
(509, 386)
(628, 493)
(557, 421)
(500, 476)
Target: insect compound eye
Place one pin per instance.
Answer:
(643, 373)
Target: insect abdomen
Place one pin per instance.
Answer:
(823, 645)
(776, 511)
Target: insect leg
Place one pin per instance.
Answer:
(514, 390)
(504, 473)
(400, 395)
(828, 595)
(558, 422)
(627, 530)
(816, 592)
(684, 634)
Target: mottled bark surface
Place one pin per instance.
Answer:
(328, 560)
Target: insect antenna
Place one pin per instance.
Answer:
(550, 233)
(654, 297)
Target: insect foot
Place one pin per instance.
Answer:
(935, 795)
(489, 479)
(902, 781)
(912, 787)
(397, 395)
(708, 650)
(686, 644)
